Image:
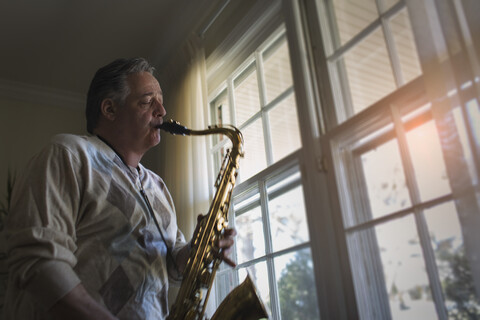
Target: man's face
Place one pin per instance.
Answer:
(142, 112)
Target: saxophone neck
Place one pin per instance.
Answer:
(174, 127)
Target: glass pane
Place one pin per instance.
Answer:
(285, 132)
(296, 286)
(220, 109)
(453, 267)
(225, 282)
(250, 240)
(255, 158)
(391, 249)
(369, 71)
(287, 219)
(278, 75)
(385, 179)
(219, 155)
(247, 99)
(404, 270)
(258, 273)
(427, 159)
(353, 16)
(405, 46)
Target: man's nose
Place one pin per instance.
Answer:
(159, 110)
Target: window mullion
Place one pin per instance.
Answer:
(231, 100)
(429, 254)
(274, 302)
(392, 52)
(263, 102)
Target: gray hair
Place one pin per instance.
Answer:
(110, 82)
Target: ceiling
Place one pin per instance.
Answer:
(59, 44)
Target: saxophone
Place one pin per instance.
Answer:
(243, 302)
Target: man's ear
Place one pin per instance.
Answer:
(108, 109)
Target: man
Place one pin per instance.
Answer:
(92, 234)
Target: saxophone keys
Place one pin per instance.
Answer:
(205, 277)
(221, 224)
(208, 258)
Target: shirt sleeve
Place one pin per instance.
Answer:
(41, 226)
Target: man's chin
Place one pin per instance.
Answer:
(156, 138)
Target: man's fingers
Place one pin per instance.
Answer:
(225, 243)
(223, 255)
(229, 232)
(229, 261)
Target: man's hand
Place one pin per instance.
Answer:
(224, 245)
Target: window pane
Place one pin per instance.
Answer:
(225, 282)
(405, 46)
(219, 155)
(404, 270)
(287, 219)
(255, 157)
(276, 65)
(250, 239)
(296, 286)
(427, 160)
(392, 250)
(369, 71)
(220, 109)
(385, 179)
(453, 266)
(353, 16)
(285, 132)
(258, 273)
(247, 100)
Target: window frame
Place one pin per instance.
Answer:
(275, 170)
(329, 94)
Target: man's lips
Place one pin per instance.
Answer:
(158, 125)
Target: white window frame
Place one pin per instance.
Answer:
(270, 22)
(325, 96)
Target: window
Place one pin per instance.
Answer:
(400, 219)
(370, 52)
(260, 101)
(404, 166)
(268, 210)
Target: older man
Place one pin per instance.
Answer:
(92, 234)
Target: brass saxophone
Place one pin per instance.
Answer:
(243, 302)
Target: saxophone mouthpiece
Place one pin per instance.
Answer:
(174, 127)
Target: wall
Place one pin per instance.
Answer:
(26, 127)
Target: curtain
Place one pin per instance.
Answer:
(183, 161)
(184, 166)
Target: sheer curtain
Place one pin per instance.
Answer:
(184, 160)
